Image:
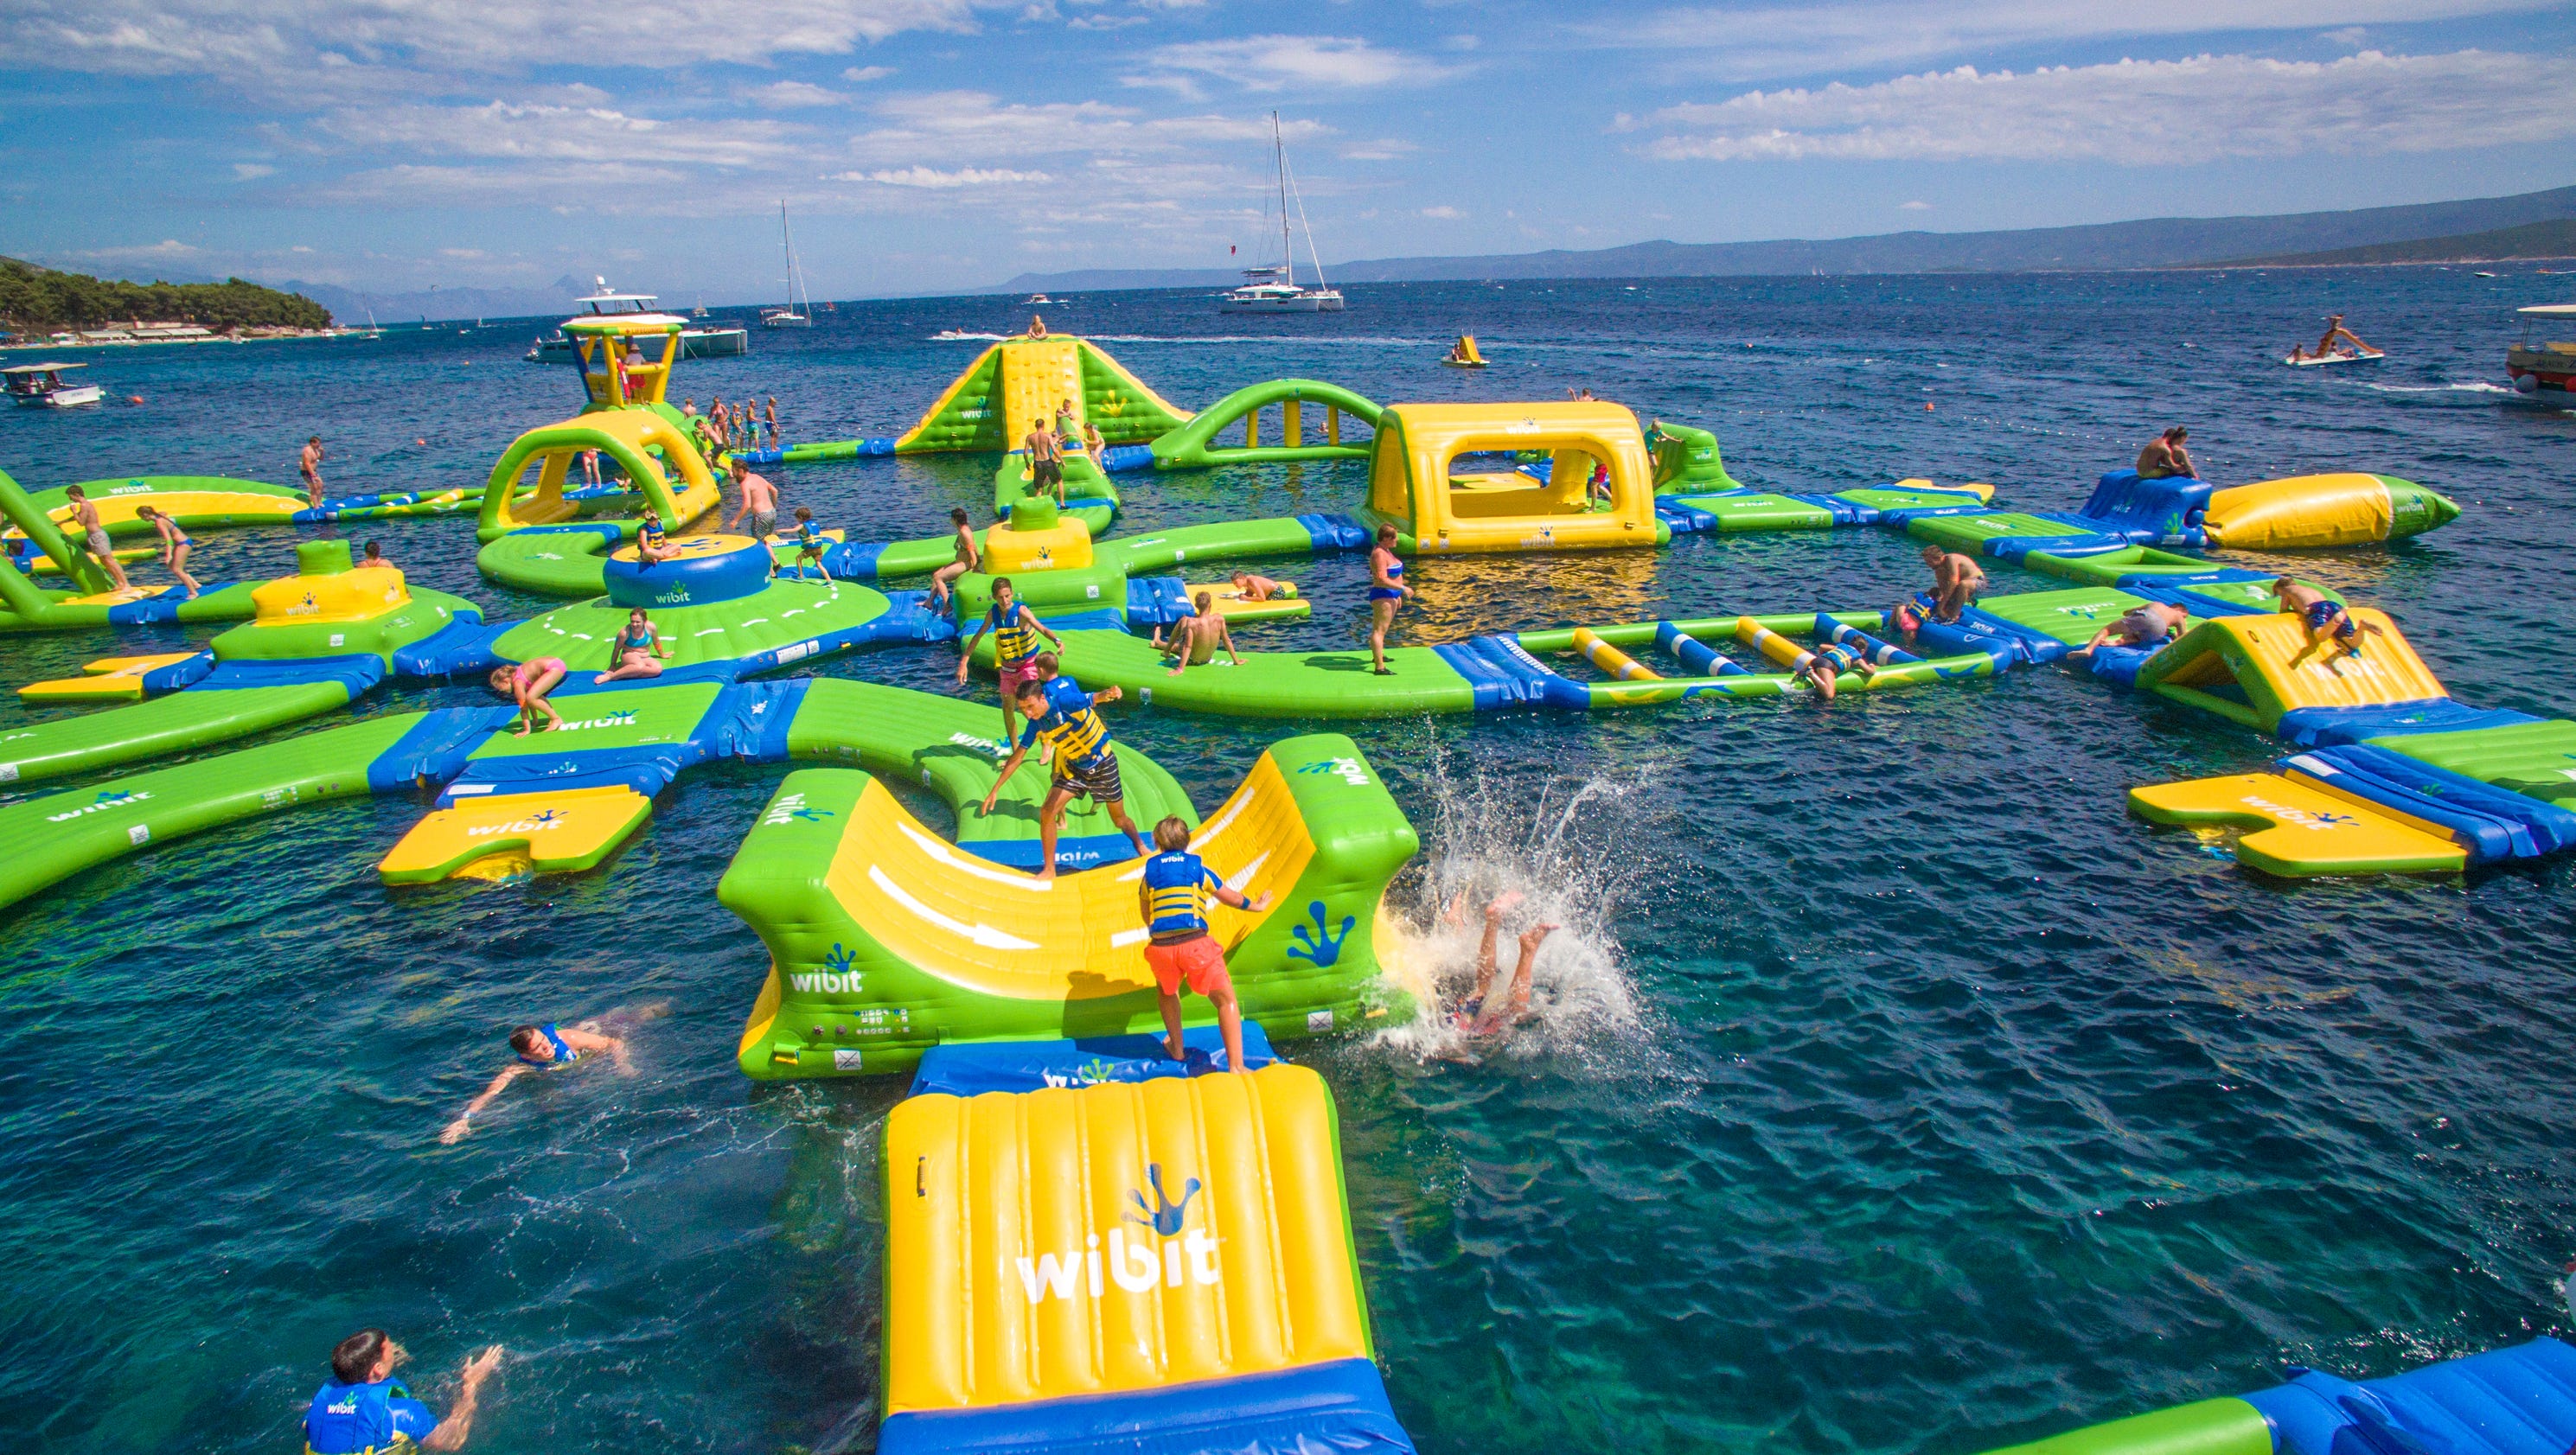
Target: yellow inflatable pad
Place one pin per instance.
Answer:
(108, 678)
(1232, 604)
(1063, 546)
(362, 593)
(2301, 830)
(1117, 1237)
(1002, 931)
(547, 833)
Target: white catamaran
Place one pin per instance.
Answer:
(791, 316)
(1273, 289)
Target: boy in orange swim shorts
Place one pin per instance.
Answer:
(1173, 895)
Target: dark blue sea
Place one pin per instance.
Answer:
(1892, 1091)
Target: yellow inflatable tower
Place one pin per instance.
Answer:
(1415, 485)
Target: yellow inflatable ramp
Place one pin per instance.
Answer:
(2301, 829)
(1165, 1264)
(2253, 669)
(518, 833)
(1038, 376)
(112, 679)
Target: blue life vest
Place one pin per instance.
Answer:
(353, 1419)
(1077, 737)
(1176, 886)
(564, 1053)
(1066, 695)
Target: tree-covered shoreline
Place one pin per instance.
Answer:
(33, 298)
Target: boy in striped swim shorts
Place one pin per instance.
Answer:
(1086, 765)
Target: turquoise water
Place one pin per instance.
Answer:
(1893, 1090)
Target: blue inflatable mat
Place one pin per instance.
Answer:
(161, 610)
(2166, 590)
(2321, 727)
(1337, 1408)
(1504, 674)
(358, 672)
(461, 648)
(1156, 600)
(1118, 459)
(2492, 823)
(436, 747)
(2119, 665)
(2517, 1401)
(972, 1068)
(1342, 532)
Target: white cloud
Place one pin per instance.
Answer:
(1444, 213)
(1306, 62)
(867, 73)
(169, 247)
(1913, 206)
(502, 129)
(1384, 149)
(2141, 113)
(251, 171)
(463, 253)
(942, 181)
(795, 95)
(1875, 34)
(971, 126)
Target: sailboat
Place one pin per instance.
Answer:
(1274, 289)
(790, 316)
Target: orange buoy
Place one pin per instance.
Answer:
(1927, 406)
(134, 399)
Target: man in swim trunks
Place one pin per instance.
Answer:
(1086, 766)
(93, 533)
(2325, 617)
(551, 1047)
(2148, 624)
(1473, 1015)
(309, 464)
(1821, 667)
(1046, 462)
(2165, 458)
(1015, 630)
(760, 502)
(1172, 893)
(1195, 638)
(360, 1410)
(1956, 580)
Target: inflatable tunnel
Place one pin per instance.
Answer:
(648, 443)
(1414, 485)
(1161, 1266)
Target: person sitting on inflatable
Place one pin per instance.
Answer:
(2326, 619)
(1195, 638)
(1171, 895)
(637, 652)
(1086, 765)
(551, 1047)
(1015, 630)
(2148, 624)
(1956, 580)
(2165, 458)
(651, 546)
(1256, 588)
(359, 1410)
(1821, 667)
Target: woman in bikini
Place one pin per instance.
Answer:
(968, 559)
(1387, 591)
(637, 652)
(174, 546)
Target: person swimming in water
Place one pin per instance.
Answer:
(551, 1047)
(360, 1410)
(1474, 1015)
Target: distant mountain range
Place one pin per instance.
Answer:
(2156, 242)
(352, 307)
(2531, 242)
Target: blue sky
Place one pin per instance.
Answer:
(932, 144)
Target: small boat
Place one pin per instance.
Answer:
(695, 343)
(954, 333)
(1035, 298)
(789, 317)
(2297, 360)
(1273, 288)
(1463, 355)
(2482, 275)
(41, 386)
(2544, 373)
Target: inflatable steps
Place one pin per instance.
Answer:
(2514, 1401)
(1161, 1266)
(886, 939)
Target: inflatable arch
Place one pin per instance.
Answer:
(1192, 446)
(1414, 486)
(647, 443)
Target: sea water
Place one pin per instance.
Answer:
(1890, 1088)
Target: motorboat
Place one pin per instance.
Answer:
(695, 343)
(1273, 287)
(2544, 373)
(1035, 298)
(41, 386)
(2340, 354)
(790, 316)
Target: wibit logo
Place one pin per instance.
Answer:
(107, 798)
(306, 607)
(534, 823)
(792, 808)
(1136, 1264)
(1349, 768)
(841, 977)
(1094, 1072)
(623, 717)
(1320, 946)
(2303, 818)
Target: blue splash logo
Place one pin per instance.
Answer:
(841, 978)
(1164, 1215)
(1320, 946)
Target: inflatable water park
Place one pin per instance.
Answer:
(1089, 1243)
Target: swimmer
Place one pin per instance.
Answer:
(551, 1047)
(1196, 638)
(1046, 462)
(590, 467)
(1387, 591)
(1956, 580)
(360, 1410)
(760, 502)
(1821, 668)
(1905, 619)
(1092, 443)
(1037, 326)
(969, 558)
(651, 546)
(637, 652)
(174, 546)
(374, 556)
(2165, 458)
(2149, 624)
(2326, 619)
(1256, 588)
(527, 685)
(1172, 896)
(1473, 1015)
(308, 463)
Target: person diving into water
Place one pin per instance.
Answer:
(1477, 1015)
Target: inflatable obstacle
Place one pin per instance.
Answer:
(1022, 382)
(885, 939)
(91, 601)
(2515, 1401)
(1417, 485)
(1164, 1265)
